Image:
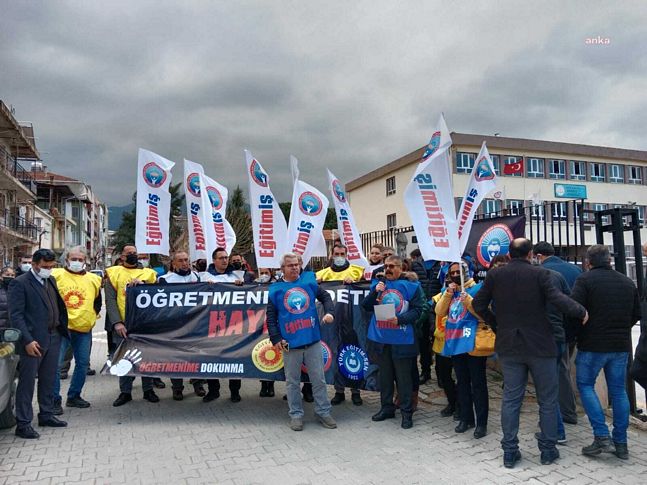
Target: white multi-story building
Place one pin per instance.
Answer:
(555, 172)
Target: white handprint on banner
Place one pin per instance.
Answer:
(131, 358)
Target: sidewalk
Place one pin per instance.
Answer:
(250, 442)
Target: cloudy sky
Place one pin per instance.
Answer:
(348, 85)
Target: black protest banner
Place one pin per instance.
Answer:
(491, 237)
(219, 331)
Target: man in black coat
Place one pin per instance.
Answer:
(613, 304)
(38, 311)
(519, 293)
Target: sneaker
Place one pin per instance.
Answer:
(77, 402)
(560, 440)
(549, 456)
(177, 395)
(621, 450)
(150, 396)
(601, 444)
(338, 398)
(511, 458)
(296, 424)
(327, 421)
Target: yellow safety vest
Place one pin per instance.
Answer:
(120, 276)
(78, 292)
(327, 274)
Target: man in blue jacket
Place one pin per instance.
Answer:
(293, 326)
(38, 311)
(397, 337)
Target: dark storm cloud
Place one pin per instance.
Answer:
(344, 85)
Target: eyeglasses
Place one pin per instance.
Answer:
(391, 266)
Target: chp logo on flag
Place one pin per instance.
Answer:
(338, 191)
(431, 148)
(215, 198)
(193, 184)
(352, 362)
(310, 204)
(257, 173)
(494, 241)
(296, 301)
(154, 175)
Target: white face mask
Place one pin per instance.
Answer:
(45, 273)
(25, 267)
(76, 266)
(264, 278)
(339, 261)
(144, 262)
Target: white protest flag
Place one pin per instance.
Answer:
(218, 232)
(268, 223)
(346, 223)
(152, 227)
(320, 248)
(482, 181)
(196, 215)
(307, 218)
(430, 201)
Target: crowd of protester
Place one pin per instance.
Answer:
(535, 310)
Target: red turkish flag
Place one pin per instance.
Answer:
(513, 168)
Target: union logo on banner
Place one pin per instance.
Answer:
(214, 197)
(154, 175)
(257, 173)
(310, 204)
(433, 145)
(494, 241)
(483, 170)
(395, 297)
(338, 191)
(193, 184)
(352, 362)
(296, 300)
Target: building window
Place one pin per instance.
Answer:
(597, 172)
(496, 161)
(491, 208)
(536, 168)
(390, 186)
(510, 160)
(557, 169)
(559, 210)
(635, 175)
(601, 207)
(75, 212)
(465, 162)
(537, 211)
(578, 170)
(616, 174)
(641, 213)
(391, 221)
(515, 207)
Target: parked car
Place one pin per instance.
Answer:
(8, 376)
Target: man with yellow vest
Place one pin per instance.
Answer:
(340, 269)
(81, 292)
(119, 278)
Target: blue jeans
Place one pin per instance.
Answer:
(81, 344)
(589, 365)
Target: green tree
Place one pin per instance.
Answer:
(240, 220)
(125, 233)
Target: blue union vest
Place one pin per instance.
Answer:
(461, 325)
(398, 292)
(297, 310)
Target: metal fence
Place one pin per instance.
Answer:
(12, 221)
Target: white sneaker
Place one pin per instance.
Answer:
(296, 424)
(327, 421)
